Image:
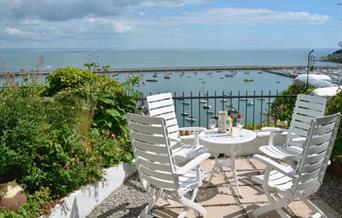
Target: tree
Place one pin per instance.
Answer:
(335, 57)
(106, 68)
(90, 65)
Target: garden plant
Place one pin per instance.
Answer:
(58, 136)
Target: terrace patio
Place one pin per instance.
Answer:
(219, 197)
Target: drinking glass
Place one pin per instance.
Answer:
(212, 123)
(239, 125)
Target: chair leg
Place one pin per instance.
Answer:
(273, 200)
(193, 205)
(272, 206)
(194, 194)
(312, 206)
(193, 197)
(155, 195)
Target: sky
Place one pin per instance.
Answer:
(170, 24)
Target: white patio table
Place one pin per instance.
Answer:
(224, 143)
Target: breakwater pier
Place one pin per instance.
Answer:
(288, 71)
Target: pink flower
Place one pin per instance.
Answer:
(67, 165)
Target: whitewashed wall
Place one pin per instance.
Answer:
(80, 203)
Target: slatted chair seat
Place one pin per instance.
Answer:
(306, 108)
(290, 153)
(304, 178)
(161, 105)
(158, 172)
(276, 180)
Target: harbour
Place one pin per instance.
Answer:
(288, 71)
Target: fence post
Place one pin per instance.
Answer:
(268, 108)
(254, 111)
(192, 117)
(199, 108)
(238, 101)
(183, 110)
(246, 107)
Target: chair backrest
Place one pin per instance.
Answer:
(161, 105)
(152, 152)
(306, 108)
(316, 153)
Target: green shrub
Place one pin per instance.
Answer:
(335, 106)
(60, 136)
(67, 78)
(22, 131)
(257, 126)
(38, 142)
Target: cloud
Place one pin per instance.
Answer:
(170, 3)
(229, 16)
(14, 31)
(94, 23)
(122, 27)
(61, 10)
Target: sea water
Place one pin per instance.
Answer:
(214, 83)
(188, 83)
(49, 59)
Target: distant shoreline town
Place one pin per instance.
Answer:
(288, 71)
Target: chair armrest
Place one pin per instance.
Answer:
(299, 139)
(175, 139)
(273, 129)
(192, 164)
(275, 165)
(195, 129)
(188, 152)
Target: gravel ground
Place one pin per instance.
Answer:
(130, 199)
(331, 192)
(126, 201)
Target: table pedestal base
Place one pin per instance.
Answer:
(230, 163)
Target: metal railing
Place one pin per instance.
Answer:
(195, 109)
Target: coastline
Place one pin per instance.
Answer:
(280, 70)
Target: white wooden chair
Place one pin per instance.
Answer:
(306, 108)
(304, 179)
(158, 172)
(161, 105)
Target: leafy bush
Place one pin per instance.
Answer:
(256, 126)
(282, 107)
(67, 78)
(38, 142)
(335, 106)
(59, 136)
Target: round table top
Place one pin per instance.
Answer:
(214, 137)
(217, 142)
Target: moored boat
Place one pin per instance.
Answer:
(151, 80)
(210, 112)
(191, 119)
